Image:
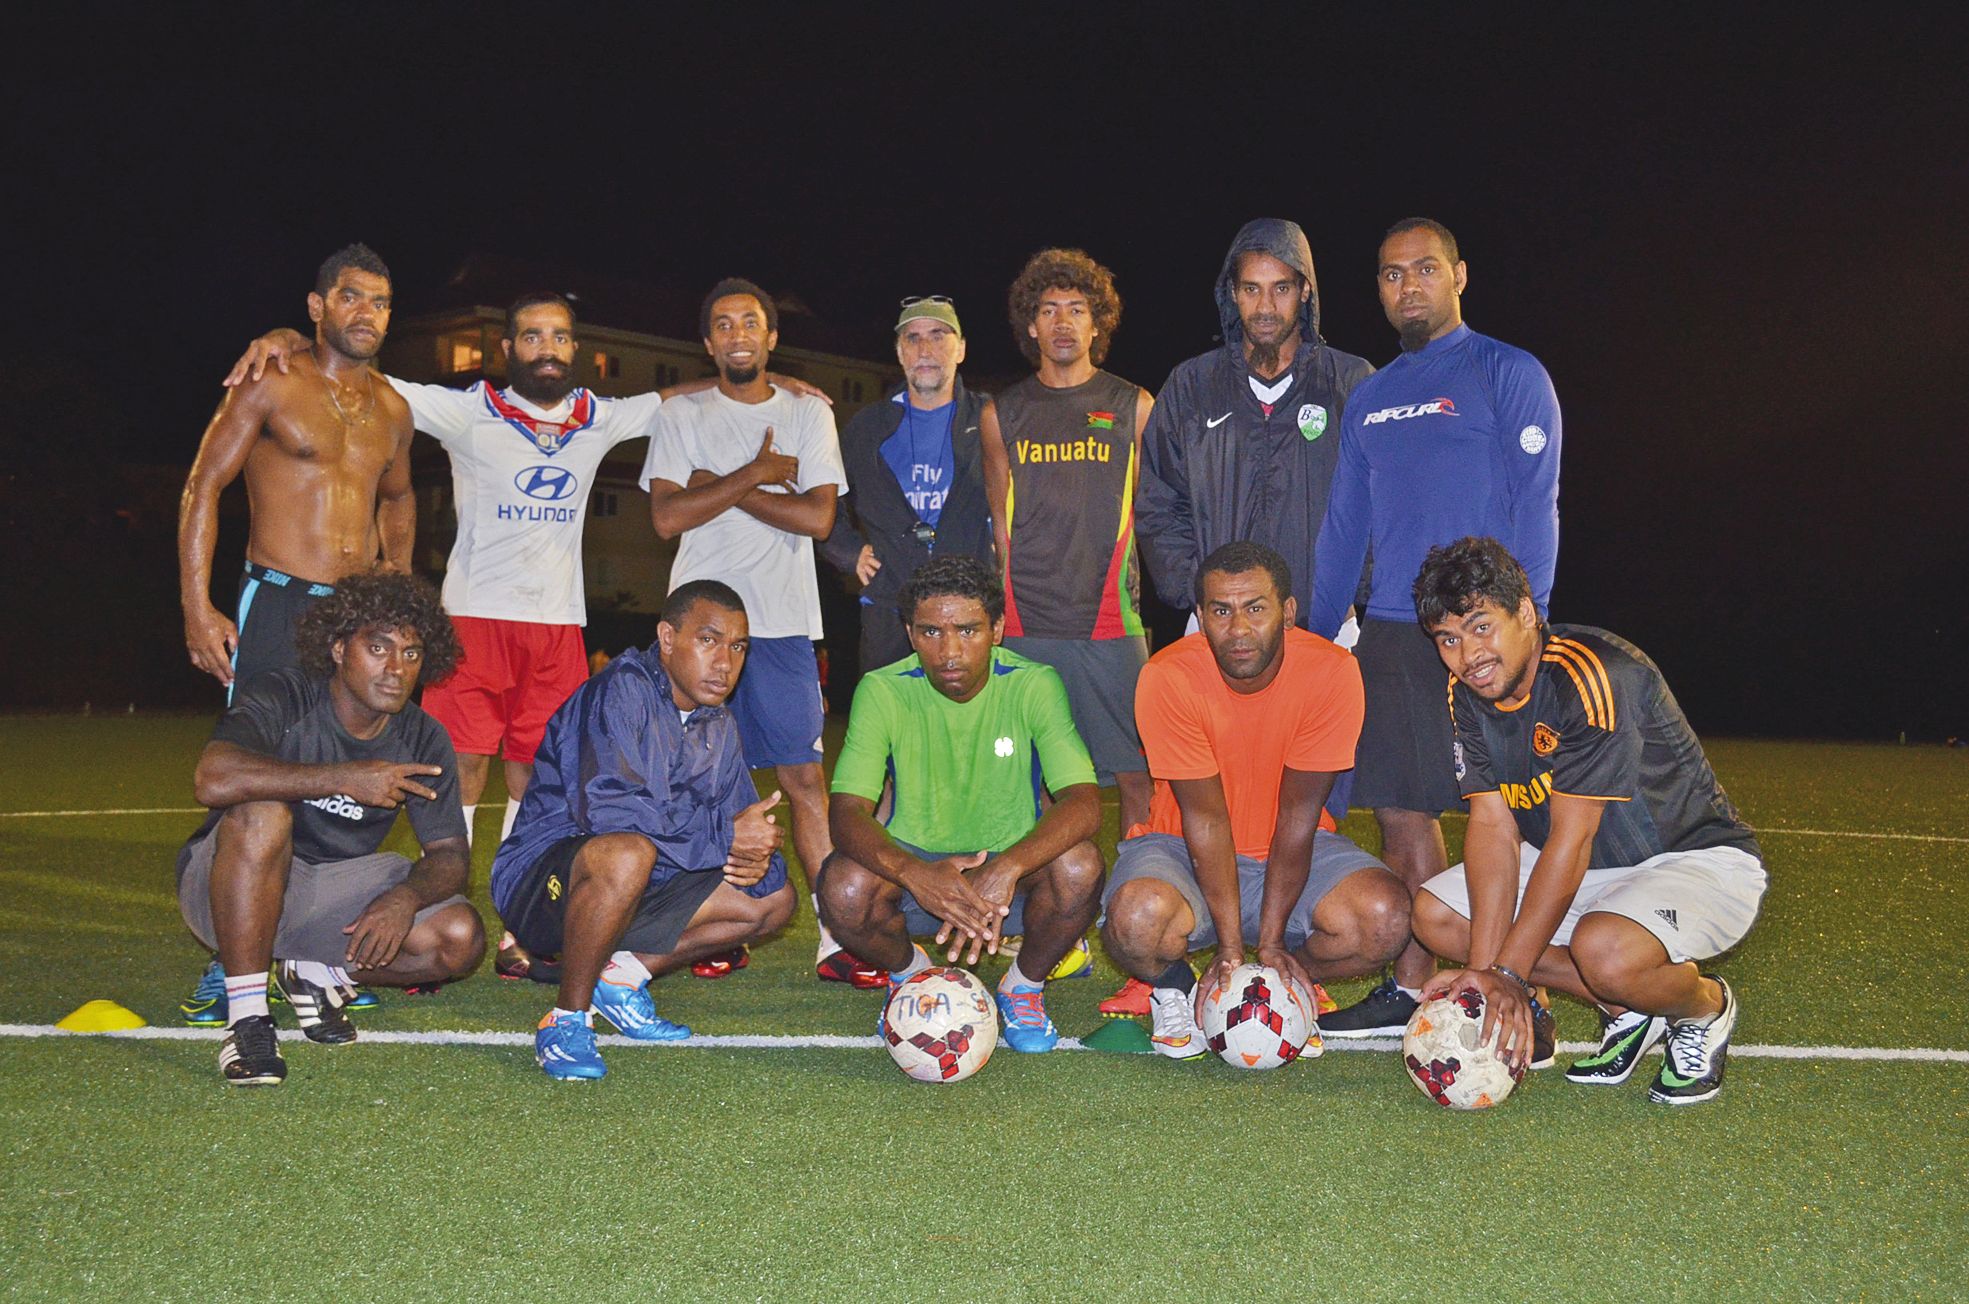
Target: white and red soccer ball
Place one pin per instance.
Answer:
(1260, 1019)
(940, 1025)
(1447, 1058)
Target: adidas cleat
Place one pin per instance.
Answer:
(634, 1014)
(206, 1006)
(250, 1054)
(1024, 1025)
(1623, 1041)
(564, 1048)
(317, 1009)
(1694, 1053)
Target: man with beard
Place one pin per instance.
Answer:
(747, 473)
(1243, 439)
(1065, 508)
(1246, 723)
(325, 449)
(917, 464)
(1458, 436)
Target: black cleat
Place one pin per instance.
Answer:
(1623, 1042)
(317, 1009)
(1692, 1062)
(250, 1054)
(1383, 1012)
(1544, 1036)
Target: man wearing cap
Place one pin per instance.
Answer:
(916, 463)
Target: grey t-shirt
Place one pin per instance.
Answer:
(286, 715)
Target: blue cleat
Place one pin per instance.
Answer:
(359, 998)
(565, 1048)
(1022, 1012)
(634, 1014)
(206, 1006)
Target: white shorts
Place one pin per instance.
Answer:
(1696, 903)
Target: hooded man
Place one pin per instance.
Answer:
(1242, 441)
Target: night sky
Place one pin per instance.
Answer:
(1736, 244)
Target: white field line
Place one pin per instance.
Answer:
(820, 1042)
(200, 810)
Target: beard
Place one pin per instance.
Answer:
(343, 345)
(541, 390)
(1415, 333)
(1266, 356)
(740, 375)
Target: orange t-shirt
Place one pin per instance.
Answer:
(1194, 726)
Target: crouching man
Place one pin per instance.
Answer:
(305, 774)
(641, 844)
(972, 736)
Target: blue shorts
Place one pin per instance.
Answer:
(1165, 857)
(777, 703)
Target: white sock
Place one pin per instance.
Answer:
(506, 824)
(1413, 993)
(1015, 977)
(919, 960)
(470, 811)
(625, 970)
(246, 996)
(319, 974)
(828, 946)
(586, 1016)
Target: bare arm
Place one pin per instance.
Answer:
(376, 935)
(1213, 859)
(674, 508)
(396, 506)
(998, 481)
(210, 638)
(1490, 865)
(1301, 794)
(1555, 879)
(938, 886)
(229, 775)
(810, 513)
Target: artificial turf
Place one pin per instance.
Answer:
(441, 1172)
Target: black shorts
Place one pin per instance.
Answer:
(271, 604)
(537, 912)
(1404, 757)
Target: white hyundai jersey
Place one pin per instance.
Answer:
(521, 477)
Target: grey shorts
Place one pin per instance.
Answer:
(1166, 858)
(321, 900)
(1698, 904)
(1403, 758)
(1100, 676)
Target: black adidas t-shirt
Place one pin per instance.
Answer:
(288, 716)
(1601, 723)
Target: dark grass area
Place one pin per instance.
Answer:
(441, 1172)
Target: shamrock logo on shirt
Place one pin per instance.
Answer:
(1003, 747)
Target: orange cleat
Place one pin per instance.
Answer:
(723, 964)
(1132, 1001)
(841, 967)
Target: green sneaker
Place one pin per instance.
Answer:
(1623, 1041)
(1692, 1067)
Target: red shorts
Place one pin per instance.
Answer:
(512, 676)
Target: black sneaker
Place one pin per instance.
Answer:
(1544, 1036)
(250, 1055)
(1623, 1042)
(317, 1009)
(1692, 1067)
(1383, 1012)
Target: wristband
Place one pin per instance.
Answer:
(1516, 977)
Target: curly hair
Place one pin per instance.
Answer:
(953, 576)
(1457, 578)
(734, 285)
(385, 600)
(1239, 557)
(358, 256)
(1064, 269)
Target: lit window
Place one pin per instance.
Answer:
(608, 365)
(466, 355)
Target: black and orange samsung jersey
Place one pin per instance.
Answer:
(1600, 723)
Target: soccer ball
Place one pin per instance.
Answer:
(1260, 1020)
(940, 1026)
(1444, 1058)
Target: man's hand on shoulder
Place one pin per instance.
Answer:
(798, 388)
(276, 346)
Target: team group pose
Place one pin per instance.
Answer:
(1286, 493)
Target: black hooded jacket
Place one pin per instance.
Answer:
(1216, 468)
(878, 514)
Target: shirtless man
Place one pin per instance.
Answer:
(325, 448)
(326, 451)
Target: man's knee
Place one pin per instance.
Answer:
(1611, 951)
(766, 914)
(258, 826)
(850, 893)
(1381, 915)
(620, 860)
(458, 938)
(1077, 874)
(1439, 928)
(1140, 914)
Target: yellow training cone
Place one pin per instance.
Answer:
(102, 1016)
